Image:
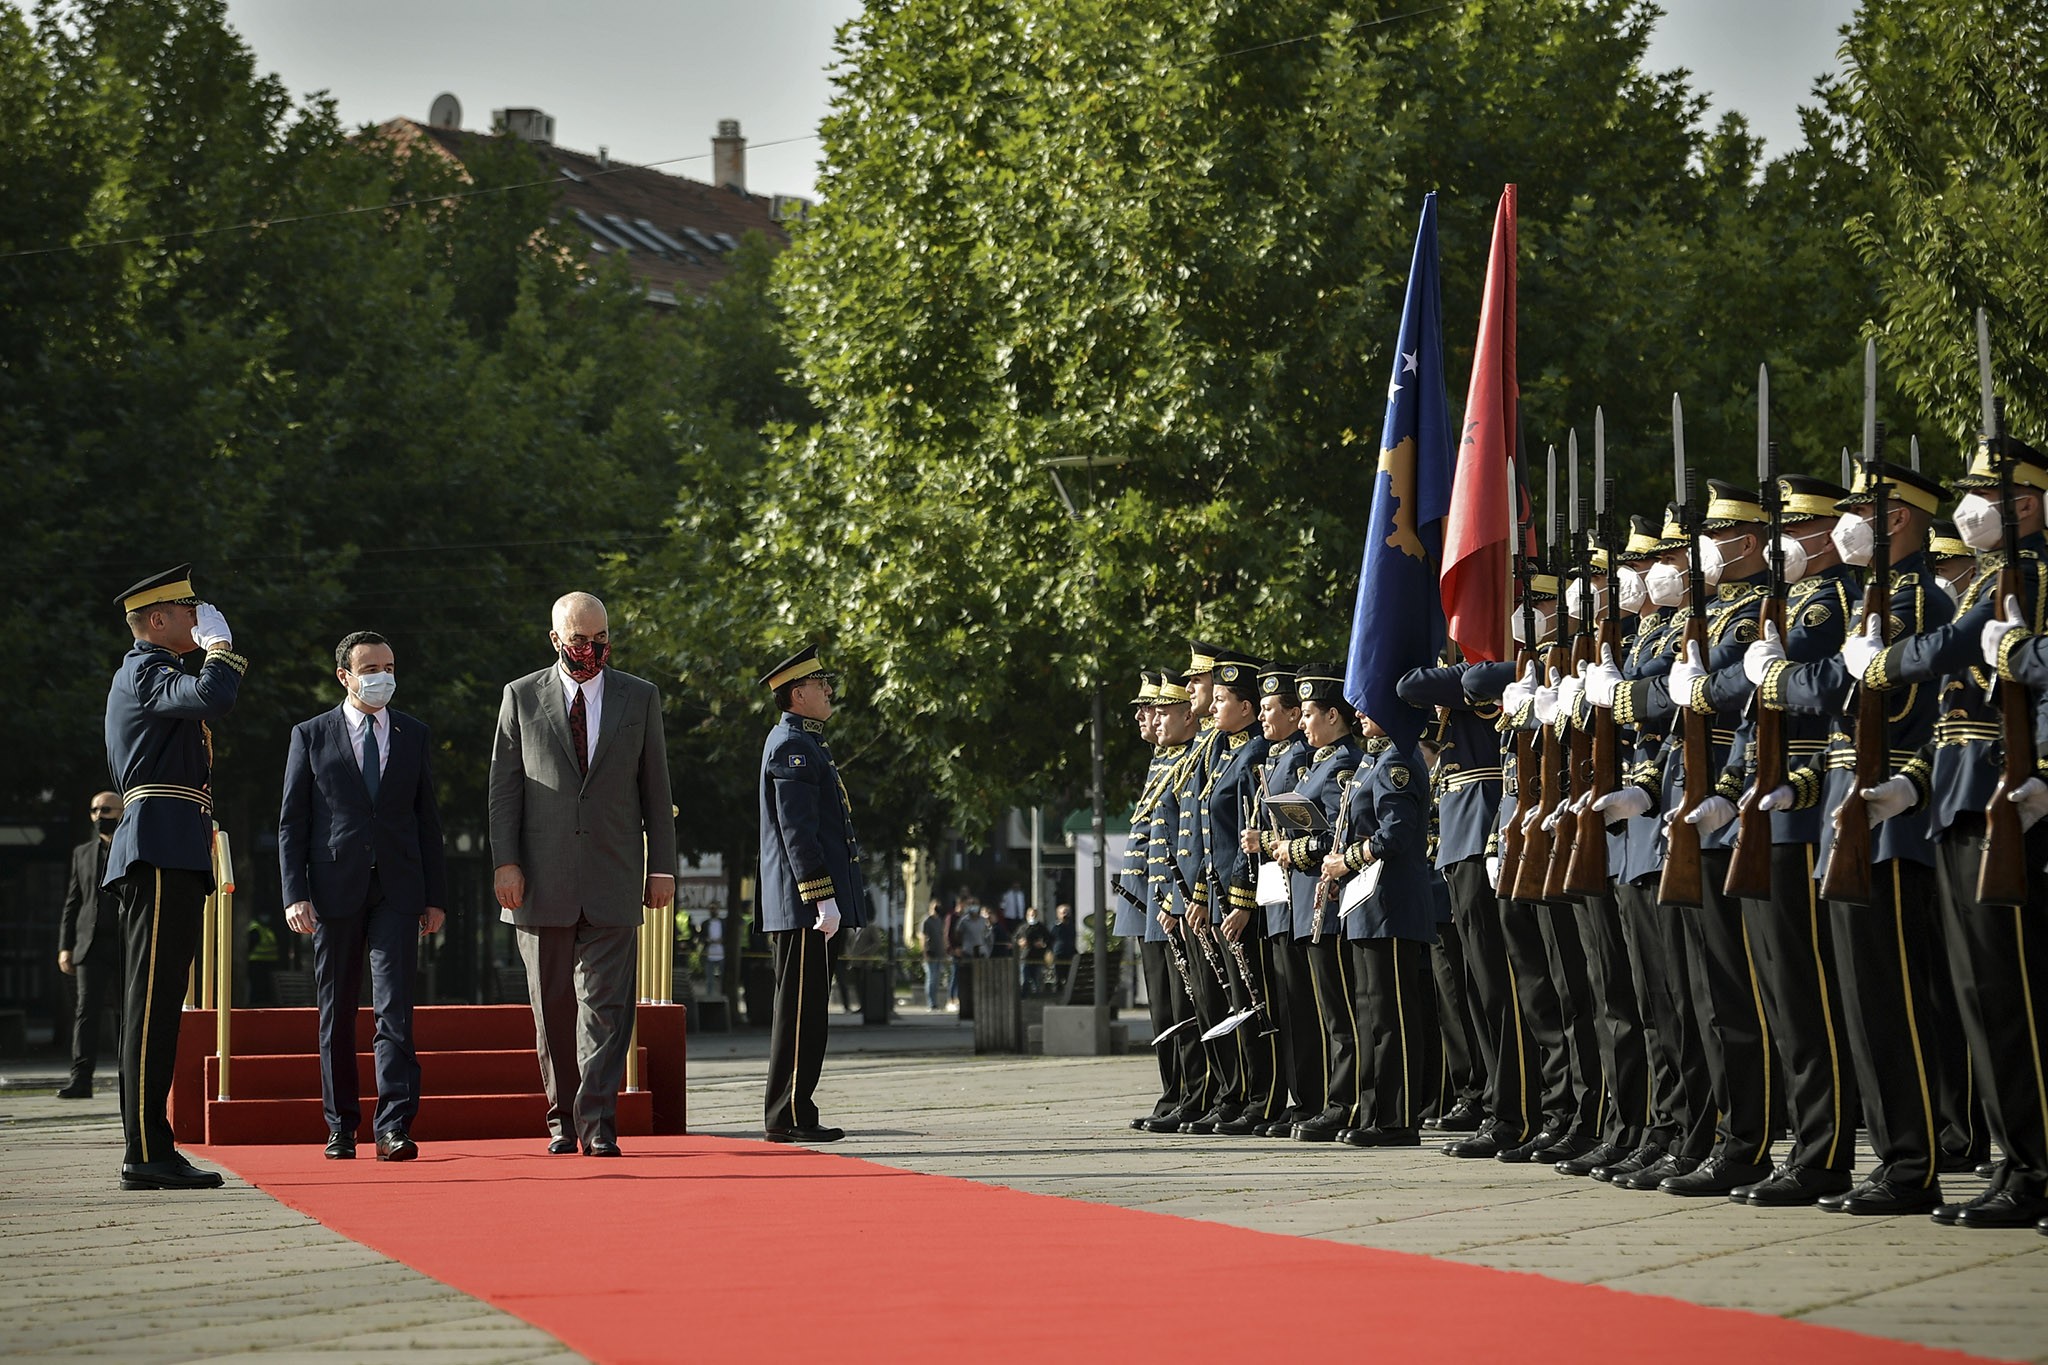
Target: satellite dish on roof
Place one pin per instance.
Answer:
(447, 112)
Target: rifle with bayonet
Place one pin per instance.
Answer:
(1534, 872)
(1577, 744)
(1749, 866)
(1601, 773)
(2002, 877)
(1848, 876)
(1684, 881)
(1512, 844)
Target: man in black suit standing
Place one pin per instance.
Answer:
(359, 848)
(90, 926)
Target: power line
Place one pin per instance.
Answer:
(421, 201)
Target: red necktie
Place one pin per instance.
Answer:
(579, 733)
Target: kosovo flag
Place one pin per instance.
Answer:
(1398, 622)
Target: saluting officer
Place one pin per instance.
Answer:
(811, 885)
(160, 752)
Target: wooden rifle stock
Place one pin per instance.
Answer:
(2002, 877)
(1578, 758)
(1534, 872)
(1684, 880)
(1849, 876)
(1598, 776)
(1749, 867)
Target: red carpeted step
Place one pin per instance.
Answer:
(442, 1118)
(435, 1028)
(296, 1075)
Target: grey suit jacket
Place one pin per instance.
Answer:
(585, 843)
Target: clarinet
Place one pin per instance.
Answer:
(1326, 885)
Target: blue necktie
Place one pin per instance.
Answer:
(370, 774)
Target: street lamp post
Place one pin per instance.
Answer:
(1098, 815)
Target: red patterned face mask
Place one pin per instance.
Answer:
(585, 661)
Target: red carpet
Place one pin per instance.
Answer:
(717, 1249)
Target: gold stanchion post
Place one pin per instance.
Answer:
(224, 956)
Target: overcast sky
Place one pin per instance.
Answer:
(649, 79)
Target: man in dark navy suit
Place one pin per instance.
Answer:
(359, 849)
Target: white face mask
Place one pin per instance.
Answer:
(1796, 562)
(1955, 594)
(1666, 584)
(1854, 539)
(1711, 562)
(1631, 586)
(1517, 620)
(1977, 522)
(1578, 597)
(375, 689)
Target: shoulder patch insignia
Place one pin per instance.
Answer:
(1816, 615)
(1896, 628)
(1397, 773)
(796, 760)
(1745, 631)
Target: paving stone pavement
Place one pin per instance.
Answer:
(230, 1272)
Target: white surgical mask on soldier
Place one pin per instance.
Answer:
(1795, 559)
(1711, 562)
(1631, 584)
(1977, 521)
(1854, 539)
(1666, 584)
(1955, 594)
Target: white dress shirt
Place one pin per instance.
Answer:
(593, 707)
(357, 717)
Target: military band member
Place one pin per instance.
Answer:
(1293, 1000)
(1887, 955)
(1996, 964)
(1388, 934)
(160, 752)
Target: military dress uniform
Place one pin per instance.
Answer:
(1996, 963)
(1461, 1087)
(1173, 958)
(160, 753)
(809, 856)
(1293, 995)
(1165, 998)
(1789, 933)
(1187, 901)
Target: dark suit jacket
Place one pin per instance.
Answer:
(82, 909)
(328, 836)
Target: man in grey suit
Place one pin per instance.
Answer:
(584, 838)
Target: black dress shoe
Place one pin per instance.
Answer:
(173, 1174)
(1164, 1123)
(1641, 1158)
(1654, 1175)
(396, 1145)
(561, 1146)
(1987, 1170)
(1714, 1176)
(1462, 1117)
(1880, 1198)
(2004, 1209)
(817, 1133)
(2042, 1226)
(79, 1089)
(1962, 1163)
(1383, 1137)
(1565, 1149)
(341, 1146)
(1243, 1125)
(1481, 1145)
(1791, 1187)
(1204, 1124)
(1606, 1154)
(602, 1148)
(1526, 1152)
(1322, 1128)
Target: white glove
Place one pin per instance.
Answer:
(1711, 814)
(1493, 871)
(1859, 650)
(1761, 654)
(1888, 798)
(1578, 805)
(1995, 632)
(828, 917)
(1625, 804)
(1778, 798)
(212, 628)
(1569, 691)
(1519, 692)
(2032, 799)
(1602, 679)
(1546, 704)
(1529, 822)
(1550, 821)
(1684, 673)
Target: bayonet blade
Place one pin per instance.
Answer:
(1550, 502)
(1678, 447)
(1763, 425)
(1869, 400)
(1571, 507)
(1913, 448)
(1599, 463)
(1988, 409)
(1846, 482)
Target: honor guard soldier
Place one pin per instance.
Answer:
(1955, 564)
(1292, 1002)
(1188, 885)
(1998, 967)
(1170, 975)
(1887, 954)
(1131, 887)
(811, 887)
(1789, 932)
(160, 751)
(1388, 934)
(1462, 1086)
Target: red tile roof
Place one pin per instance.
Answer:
(675, 233)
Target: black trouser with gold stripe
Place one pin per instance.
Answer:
(1553, 1102)
(1295, 1008)
(1886, 957)
(161, 912)
(1330, 979)
(1260, 1090)
(1725, 1001)
(1617, 1022)
(1681, 1097)
(1463, 1076)
(1167, 1001)
(1998, 956)
(1510, 1086)
(1212, 1003)
(1397, 1041)
(796, 1030)
(1791, 938)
